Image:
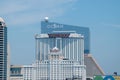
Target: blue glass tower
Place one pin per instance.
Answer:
(52, 27)
(3, 50)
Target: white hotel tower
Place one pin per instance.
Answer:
(60, 56)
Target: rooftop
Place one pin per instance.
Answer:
(1, 20)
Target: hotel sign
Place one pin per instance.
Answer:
(54, 26)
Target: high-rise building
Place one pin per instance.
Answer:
(52, 27)
(3, 50)
(60, 56)
(92, 68)
(71, 45)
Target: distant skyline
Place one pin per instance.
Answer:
(102, 17)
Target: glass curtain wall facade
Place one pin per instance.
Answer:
(3, 51)
(52, 27)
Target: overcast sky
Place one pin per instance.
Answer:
(23, 18)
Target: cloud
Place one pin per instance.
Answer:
(28, 12)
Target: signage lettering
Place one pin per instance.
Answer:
(55, 26)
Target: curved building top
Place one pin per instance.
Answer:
(1, 20)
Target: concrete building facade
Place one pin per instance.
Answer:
(58, 56)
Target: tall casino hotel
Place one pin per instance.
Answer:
(62, 53)
(69, 46)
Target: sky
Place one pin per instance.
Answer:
(23, 19)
